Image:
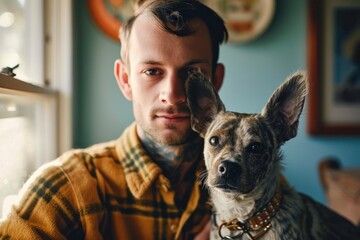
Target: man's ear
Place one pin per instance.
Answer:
(218, 76)
(122, 78)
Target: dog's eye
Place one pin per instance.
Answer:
(214, 140)
(255, 147)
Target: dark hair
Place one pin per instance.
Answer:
(174, 17)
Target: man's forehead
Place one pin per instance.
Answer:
(146, 21)
(150, 41)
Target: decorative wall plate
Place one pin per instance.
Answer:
(245, 19)
(109, 14)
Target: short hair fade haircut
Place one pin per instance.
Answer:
(174, 17)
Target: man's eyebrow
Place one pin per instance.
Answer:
(189, 63)
(151, 62)
(197, 61)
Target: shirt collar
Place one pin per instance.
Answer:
(139, 169)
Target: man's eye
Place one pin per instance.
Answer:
(191, 70)
(185, 73)
(152, 72)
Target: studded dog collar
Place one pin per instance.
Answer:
(257, 225)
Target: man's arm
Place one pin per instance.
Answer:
(54, 203)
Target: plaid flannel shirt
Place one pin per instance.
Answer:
(108, 191)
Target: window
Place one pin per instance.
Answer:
(35, 105)
(21, 34)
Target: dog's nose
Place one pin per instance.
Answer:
(228, 169)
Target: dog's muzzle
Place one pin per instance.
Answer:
(228, 173)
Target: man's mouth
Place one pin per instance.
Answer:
(174, 117)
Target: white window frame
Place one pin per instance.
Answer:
(14, 87)
(57, 70)
(59, 64)
(56, 74)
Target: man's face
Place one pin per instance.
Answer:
(158, 66)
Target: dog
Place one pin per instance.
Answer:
(243, 159)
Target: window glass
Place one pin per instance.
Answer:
(35, 119)
(27, 120)
(23, 134)
(22, 38)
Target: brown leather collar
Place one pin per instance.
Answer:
(259, 224)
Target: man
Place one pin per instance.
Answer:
(144, 184)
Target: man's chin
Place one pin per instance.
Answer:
(168, 135)
(171, 137)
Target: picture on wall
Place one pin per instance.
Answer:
(347, 56)
(334, 67)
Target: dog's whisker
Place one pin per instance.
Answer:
(203, 174)
(202, 178)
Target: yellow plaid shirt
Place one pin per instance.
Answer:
(108, 191)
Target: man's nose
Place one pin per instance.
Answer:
(173, 90)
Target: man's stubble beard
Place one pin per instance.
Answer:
(166, 134)
(161, 138)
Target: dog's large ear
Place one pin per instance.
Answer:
(203, 101)
(285, 106)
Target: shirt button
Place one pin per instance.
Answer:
(173, 228)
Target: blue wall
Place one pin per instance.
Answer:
(253, 71)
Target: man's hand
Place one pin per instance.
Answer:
(205, 233)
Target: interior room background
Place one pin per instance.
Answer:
(253, 71)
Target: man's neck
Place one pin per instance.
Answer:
(172, 158)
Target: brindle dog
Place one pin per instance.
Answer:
(243, 160)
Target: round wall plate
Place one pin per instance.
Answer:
(245, 19)
(109, 15)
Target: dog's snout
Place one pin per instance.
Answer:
(228, 169)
